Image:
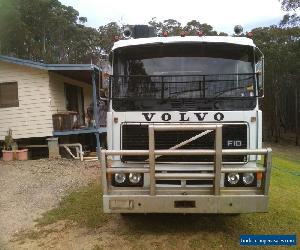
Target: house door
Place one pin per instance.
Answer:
(74, 100)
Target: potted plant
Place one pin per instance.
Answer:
(22, 154)
(8, 154)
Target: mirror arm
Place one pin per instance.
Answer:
(103, 98)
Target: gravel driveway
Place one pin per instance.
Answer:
(29, 188)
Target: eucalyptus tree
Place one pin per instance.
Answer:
(45, 30)
(281, 47)
(108, 34)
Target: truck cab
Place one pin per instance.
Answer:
(184, 128)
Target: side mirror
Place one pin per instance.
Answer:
(259, 69)
(104, 86)
(261, 93)
(104, 94)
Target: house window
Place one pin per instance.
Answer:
(9, 94)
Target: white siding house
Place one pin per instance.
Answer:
(30, 93)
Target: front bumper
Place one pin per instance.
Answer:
(185, 204)
(215, 199)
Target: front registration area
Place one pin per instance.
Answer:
(185, 204)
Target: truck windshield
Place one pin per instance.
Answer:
(184, 77)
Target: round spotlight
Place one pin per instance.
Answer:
(248, 178)
(233, 178)
(135, 178)
(120, 178)
(238, 29)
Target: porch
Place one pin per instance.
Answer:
(81, 111)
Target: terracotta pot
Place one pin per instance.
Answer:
(22, 155)
(8, 155)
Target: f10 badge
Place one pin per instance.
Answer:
(234, 143)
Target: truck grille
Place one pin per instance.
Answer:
(135, 137)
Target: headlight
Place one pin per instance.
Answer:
(248, 178)
(135, 178)
(233, 178)
(120, 178)
(128, 180)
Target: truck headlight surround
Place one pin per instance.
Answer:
(233, 178)
(135, 178)
(127, 180)
(120, 178)
(248, 178)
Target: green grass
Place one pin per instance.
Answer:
(191, 231)
(284, 204)
(83, 207)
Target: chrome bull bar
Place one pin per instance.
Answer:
(217, 152)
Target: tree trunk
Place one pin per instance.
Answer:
(296, 116)
(276, 112)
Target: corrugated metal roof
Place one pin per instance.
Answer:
(50, 67)
(81, 72)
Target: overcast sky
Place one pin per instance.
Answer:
(221, 14)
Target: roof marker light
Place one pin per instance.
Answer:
(200, 33)
(249, 35)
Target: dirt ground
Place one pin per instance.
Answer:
(29, 188)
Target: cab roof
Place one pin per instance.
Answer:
(187, 39)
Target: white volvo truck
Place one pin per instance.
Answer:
(184, 129)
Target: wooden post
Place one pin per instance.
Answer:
(95, 101)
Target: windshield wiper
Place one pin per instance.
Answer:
(232, 89)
